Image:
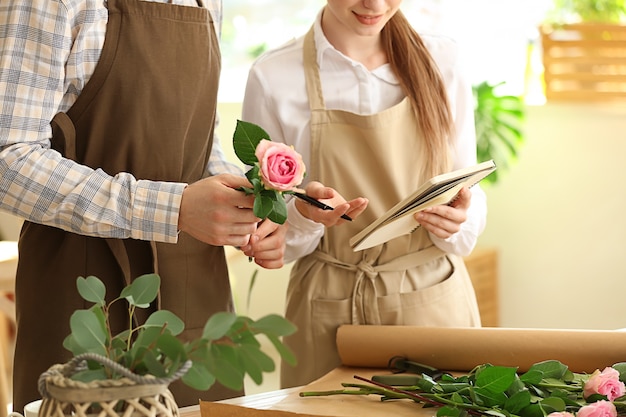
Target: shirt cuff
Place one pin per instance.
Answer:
(156, 206)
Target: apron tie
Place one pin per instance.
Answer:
(366, 268)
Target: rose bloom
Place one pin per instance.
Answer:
(598, 409)
(605, 383)
(282, 167)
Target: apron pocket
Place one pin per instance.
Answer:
(450, 303)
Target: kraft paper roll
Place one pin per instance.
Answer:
(461, 349)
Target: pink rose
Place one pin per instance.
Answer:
(598, 409)
(605, 383)
(281, 166)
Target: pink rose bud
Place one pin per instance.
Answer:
(281, 167)
(598, 409)
(605, 383)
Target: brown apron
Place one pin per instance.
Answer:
(149, 110)
(407, 281)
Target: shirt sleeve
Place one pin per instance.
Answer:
(36, 182)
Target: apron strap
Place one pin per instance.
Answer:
(365, 268)
(312, 73)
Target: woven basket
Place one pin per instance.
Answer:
(130, 396)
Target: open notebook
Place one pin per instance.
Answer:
(399, 220)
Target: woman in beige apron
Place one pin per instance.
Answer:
(407, 281)
(137, 91)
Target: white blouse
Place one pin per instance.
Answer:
(276, 99)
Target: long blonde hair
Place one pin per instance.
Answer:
(422, 82)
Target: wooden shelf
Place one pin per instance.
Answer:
(482, 265)
(584, 62)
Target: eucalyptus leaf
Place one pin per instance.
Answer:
(218, 325)
(172, 348)
(143, 290)
(227, 350)
(199, 377)
(274, 324)
(285, 353)
(165, 318)
(251, 365)
(153, 365)
(91, 289)
(87, 332)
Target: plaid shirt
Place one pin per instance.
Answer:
(48, 51)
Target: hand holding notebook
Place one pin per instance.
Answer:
(400, 219)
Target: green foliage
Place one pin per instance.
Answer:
(548, 386)
(498, 121)
(597, 11)
(227, 350)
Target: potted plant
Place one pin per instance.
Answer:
(584, 45)
(129, 372)
(498, 119)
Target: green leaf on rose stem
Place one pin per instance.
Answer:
(552, 404)
(245, 140)
(162, 318)
(142, 291)
(218, 325)
(263, 206)
(496, 379)
(621, 368)
(253, 173)
(91, 289)
(550, 369)
(489, 398)
(517, 402)
(279, 212)
(532, 376)
(448, 411)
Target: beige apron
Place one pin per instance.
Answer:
(148, 109)
(407, 281)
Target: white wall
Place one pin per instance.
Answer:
(558, 218)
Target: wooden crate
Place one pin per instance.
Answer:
(482, 265)
(584, 62)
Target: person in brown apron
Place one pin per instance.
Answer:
(383, 156)
(148, 110)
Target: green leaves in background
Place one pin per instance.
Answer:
(227, 350)
(498, 120)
